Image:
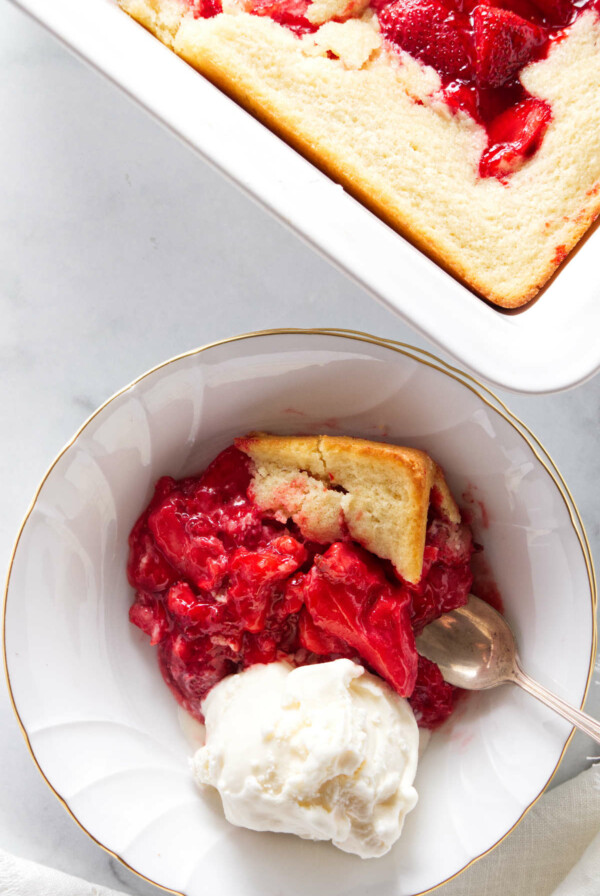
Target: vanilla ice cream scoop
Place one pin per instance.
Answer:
(327, 752)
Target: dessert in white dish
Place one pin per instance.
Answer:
(326, 553)
(127, 778)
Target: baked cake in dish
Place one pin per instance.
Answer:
(471, 128)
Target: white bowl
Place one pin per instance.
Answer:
(103, 727)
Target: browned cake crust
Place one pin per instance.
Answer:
(380, 494)
(374, 122)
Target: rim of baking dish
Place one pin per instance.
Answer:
(423, 357)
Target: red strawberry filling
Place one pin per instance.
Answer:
(220, 587)
(504, 43)
(433, 699)
(478, 47)
(205, 9)
(431, 31)
(348, 596)
(514, 136)
(290, 13)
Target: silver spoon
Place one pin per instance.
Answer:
(475, 649)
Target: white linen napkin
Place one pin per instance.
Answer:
(555, 851)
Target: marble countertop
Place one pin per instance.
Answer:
(119, 249)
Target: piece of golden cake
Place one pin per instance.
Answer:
(331, 486)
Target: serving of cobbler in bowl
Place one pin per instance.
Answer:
(250, 536)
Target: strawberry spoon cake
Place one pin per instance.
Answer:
(471, 127)
(304, 550)
(283, 588)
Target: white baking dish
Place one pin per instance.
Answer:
(551, 345)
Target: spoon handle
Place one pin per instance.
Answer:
(580, 719)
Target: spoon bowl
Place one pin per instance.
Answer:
(475, 649)
(473, 646)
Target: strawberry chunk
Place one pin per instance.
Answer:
(514, 136)
(201, 558)
(291, 600)
(430, 31)
(192, 668)
(205, 9)
(348, 595)
(181, 601)
(559, 12)
(147, 568)
(255, 575)
(148, 614)
(448, 543)
(227, 477)
(527, 9)
(447, 576)
(259, 647)
(504, 43)
(194, 614)
(290, 13)
(276, 8)
(289, 549)
(446, 588)
(433, 699)
(317, 640)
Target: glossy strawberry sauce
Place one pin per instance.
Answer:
(479, 50)
(289, 13)
(220, 587)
